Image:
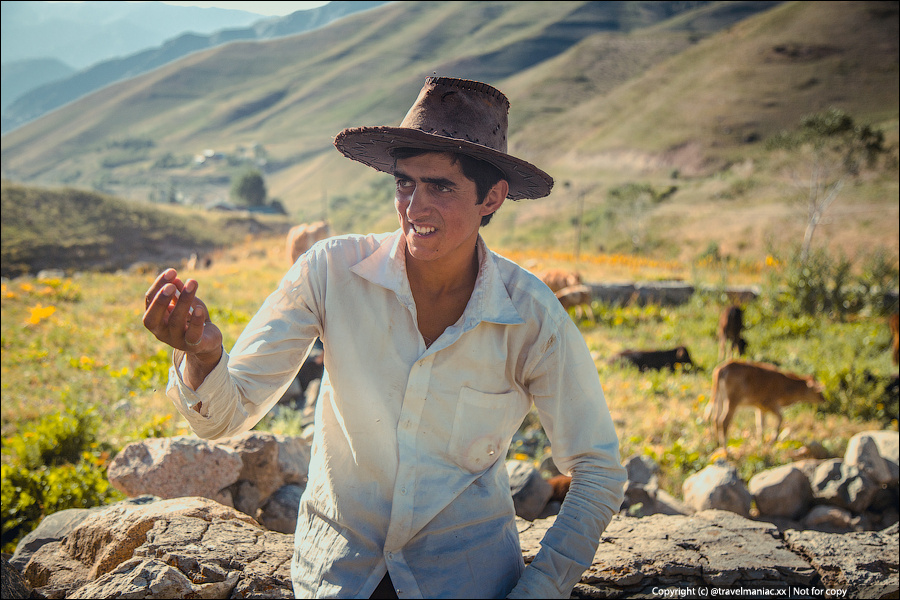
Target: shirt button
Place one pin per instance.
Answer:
(403, 491)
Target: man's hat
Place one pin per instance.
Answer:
(450, 115)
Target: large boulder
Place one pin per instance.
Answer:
(717, 487)
(838, 484)
(781, 492)
(875, 453)
(110, 537)
(176, 467)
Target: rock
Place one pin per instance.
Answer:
(839, 484)
(709, 548)
(12, 585)
(864, 563)
(781, 492)
(641, 469)
(258, 452)
(56, 526)
(717, 486)
(152, 578)
(109, 537)
(829, 519)
(279, 513)
(195, 548)
(176, 467)
(875, 453)
(530, 491)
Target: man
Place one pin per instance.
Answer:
(435, 349)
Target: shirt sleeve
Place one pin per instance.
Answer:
(573, 411)
(250, 380)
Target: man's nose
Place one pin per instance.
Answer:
(418, 203)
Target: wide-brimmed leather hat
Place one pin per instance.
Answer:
(450, 115)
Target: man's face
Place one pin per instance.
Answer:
(437, 206)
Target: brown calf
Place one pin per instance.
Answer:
(557, 279)
(579, 297)
(731, 326)
(760, 385)
(301, 238)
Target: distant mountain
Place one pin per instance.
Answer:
(602, 93)
(83, 33)
(22, 75)
(41, 99)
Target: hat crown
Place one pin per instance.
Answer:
(463, 110)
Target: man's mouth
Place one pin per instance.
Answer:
(422, 229)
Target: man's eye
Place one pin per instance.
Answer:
(443, 189)
(404, 184)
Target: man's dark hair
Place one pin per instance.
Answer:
(484, 174)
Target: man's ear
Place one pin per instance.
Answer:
(495, 198)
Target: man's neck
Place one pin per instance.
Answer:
(451, 274)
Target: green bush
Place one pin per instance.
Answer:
(57, 465)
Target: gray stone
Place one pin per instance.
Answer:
(718, 487)
(279, 513)
(829, 518)
(176, 467)
(781, 492)
(12, 585)
(530, 492)
(865, 564)
(839, 484)
(641, 469)
(710, 548)
(875, 453)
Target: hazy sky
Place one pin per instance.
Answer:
(260, 8)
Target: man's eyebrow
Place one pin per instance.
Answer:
(442, 181)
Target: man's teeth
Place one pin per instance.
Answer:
(423, 230)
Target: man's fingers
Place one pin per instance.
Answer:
(194, 333)
(167, 276)
(157, 309)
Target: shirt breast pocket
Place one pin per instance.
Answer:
(483, 427)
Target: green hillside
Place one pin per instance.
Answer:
(73, 230)
(606, 96)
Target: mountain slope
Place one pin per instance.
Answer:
(41, 100)
(83, 33)
(293, 94)
(606, 96)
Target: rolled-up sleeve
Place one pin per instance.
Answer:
(250, 380)
(573, 411)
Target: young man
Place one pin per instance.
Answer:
(435, 350)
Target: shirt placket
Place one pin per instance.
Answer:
(402, 510)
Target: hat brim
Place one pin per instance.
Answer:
(372, 146)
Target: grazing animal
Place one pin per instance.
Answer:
(301, 238)
(655, 359)
(578, 297)
(560, 485)
(895, 337)
(557, 279)
(731, 326)
(760, 385)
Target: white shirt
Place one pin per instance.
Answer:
(408, 458)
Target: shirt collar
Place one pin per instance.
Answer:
(490, 300)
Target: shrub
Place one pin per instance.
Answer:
(56, 466)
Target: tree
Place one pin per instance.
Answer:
(837, 149)
(249, 189)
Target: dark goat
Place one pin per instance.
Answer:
(731, 326)
(655, 359)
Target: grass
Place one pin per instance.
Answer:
(80, 340)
